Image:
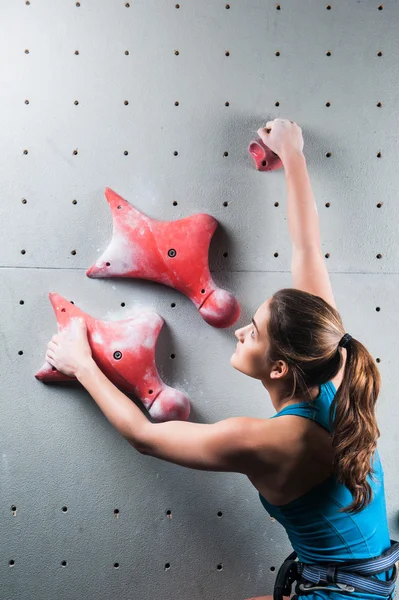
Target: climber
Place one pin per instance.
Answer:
(315, 463)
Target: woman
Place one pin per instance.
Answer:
(323, 483)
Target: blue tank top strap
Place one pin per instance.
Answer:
(317, 410)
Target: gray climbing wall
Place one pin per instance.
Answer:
(103, 94)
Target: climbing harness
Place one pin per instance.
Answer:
(346, 577)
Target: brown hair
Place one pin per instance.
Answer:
(304, 331)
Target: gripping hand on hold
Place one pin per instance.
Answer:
(282, 137)
(70, 349)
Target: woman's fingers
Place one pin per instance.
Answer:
(50, 357)
(52, 345)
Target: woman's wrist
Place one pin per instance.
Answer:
(85, 369)
(291, 156)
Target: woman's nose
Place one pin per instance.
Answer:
(238, 333)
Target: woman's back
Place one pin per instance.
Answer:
(317, 530)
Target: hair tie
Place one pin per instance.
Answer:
(344, 341)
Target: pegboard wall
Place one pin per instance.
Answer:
(159, 102)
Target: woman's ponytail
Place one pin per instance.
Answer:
(354, 425)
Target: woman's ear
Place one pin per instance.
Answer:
(279, 370)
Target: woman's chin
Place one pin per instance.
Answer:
(234, 362)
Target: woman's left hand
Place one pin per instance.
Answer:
(70, 349)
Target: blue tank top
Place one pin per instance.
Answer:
(315, 528)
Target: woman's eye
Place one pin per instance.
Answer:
(252, 332)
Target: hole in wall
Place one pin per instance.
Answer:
(63, 563)
(225, 254)
(379, 204)
(74, 201)
(276, 204)
(175, 153)
(107, 264)
(23, 251)
(328, 53)
(378, 360)
(11, 563)
(379, 53)
(220, 514)
(167, 566)
(173, 305)
(225, 203)
(20, 352)
(73, 252)
(275, 254)
(174, 203)
(227, 53)
(327, 255)
(173, 356)
(125, 152)
(379, 256)
(169, 513)
(76, 102)
(24, 201)
(21, 302)
(225, 153)
(220, 567)
(377, 308)
(328, 154)
(116, 565)
(64, 509)
(328, 205)
(379, 154)
(116, 511)
(123, 304)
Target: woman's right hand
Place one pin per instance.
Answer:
(284, 137)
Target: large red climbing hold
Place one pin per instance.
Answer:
(265, 159)
(174, 253)
(125, 353)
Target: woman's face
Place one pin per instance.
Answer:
(252, 346)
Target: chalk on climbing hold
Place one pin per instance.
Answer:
(174, 253)
(125, 352)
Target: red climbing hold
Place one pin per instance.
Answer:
(125, 353)
(265, 159)
(174, 253)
